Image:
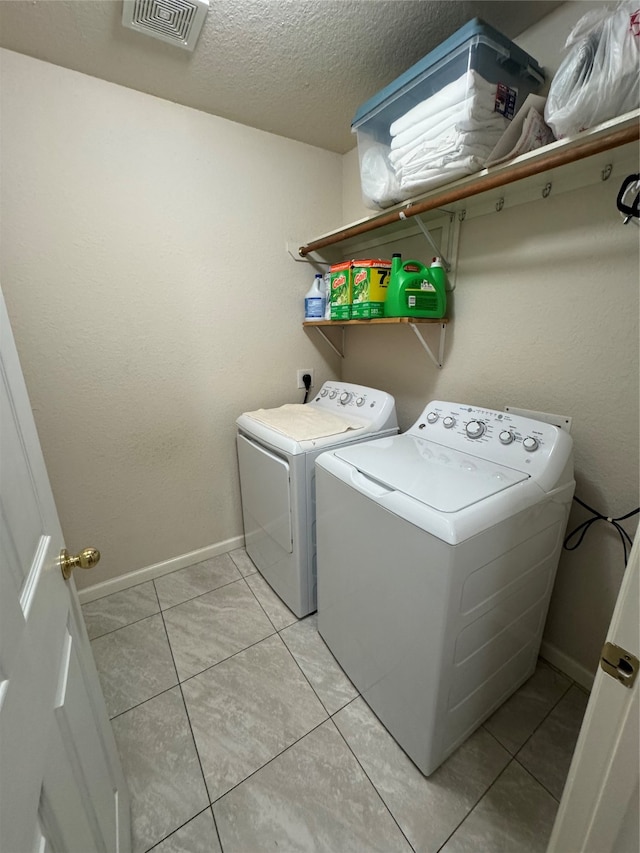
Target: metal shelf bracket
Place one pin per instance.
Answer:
(417, 327)
(320, 331)
(427, 235)
(440, 358)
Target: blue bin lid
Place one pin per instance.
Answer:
(475, 27)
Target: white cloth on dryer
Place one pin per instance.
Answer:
(304, 423)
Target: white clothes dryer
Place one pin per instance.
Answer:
(277, 449)
(437, 553)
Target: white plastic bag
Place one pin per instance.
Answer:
(599, 78)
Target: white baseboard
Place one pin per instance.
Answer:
(580, 674)
(99, 590)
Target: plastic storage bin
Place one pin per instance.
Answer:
(442, 118)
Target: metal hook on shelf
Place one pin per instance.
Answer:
(629, 186)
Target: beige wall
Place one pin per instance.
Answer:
(545, 317)
(152, 299)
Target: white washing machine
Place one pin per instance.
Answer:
(277, 449)
(437, 553)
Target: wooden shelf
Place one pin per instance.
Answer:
(558, 157)
(409, 322)
(375, 321)
(563, 161)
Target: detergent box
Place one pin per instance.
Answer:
(341, 283)
(369, 288)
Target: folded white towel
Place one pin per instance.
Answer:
(485, 138)
(440, 160)
(470, 84)
(304, 423)
(431, 178)
(466, 115)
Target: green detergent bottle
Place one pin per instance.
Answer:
(415, 290)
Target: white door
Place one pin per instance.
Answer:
(61, 783)
(599, 807)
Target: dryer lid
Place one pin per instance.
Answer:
(446, 480)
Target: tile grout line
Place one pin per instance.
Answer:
(224, 660)
(513, 758)
(120, 627)
(177, 829)
(379, 795)
(269, 761)
(370, 780)
(161, 608)
(199, 595)
(144, 701)
(152, 581)
(537, 726)
(249, 587)
(478, 801)
(543, 721)
(514, 755)
(535, 778)
(304, 675)
(193, 738)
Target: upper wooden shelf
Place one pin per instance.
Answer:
(561, 154)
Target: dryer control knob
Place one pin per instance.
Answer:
(530, 443)
(432, 417)
(360, 401)
(324, 392)
(506, 436)
(333, 395)
(448, 422)
(345, 397)
(474, 429)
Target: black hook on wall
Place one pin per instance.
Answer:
(630, 185)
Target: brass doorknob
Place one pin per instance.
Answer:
(86, 559)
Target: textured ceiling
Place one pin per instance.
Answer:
(298, 68)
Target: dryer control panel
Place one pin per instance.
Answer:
(373, 406)
(527, 445)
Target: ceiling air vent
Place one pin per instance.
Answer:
(175, 21)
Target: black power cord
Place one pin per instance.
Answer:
(306, 378)
(598, 516)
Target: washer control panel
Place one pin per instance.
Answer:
(511, 440)
(369, 404)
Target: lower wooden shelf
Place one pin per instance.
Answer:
(376, 321)
(411, 322)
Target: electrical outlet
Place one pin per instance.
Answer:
(301, 373)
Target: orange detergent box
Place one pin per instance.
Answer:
(370, 279)
(341, 279)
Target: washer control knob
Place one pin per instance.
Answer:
(345, 397)
(360, 401)
(432, 417)
(333, 394)
(324, 392)
(474, 429)
(448, 422)
(530, 443)
(506, 436)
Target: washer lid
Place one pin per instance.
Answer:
(446, 480)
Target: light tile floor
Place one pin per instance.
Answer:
(238, 731)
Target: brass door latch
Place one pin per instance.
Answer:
(619, 664)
